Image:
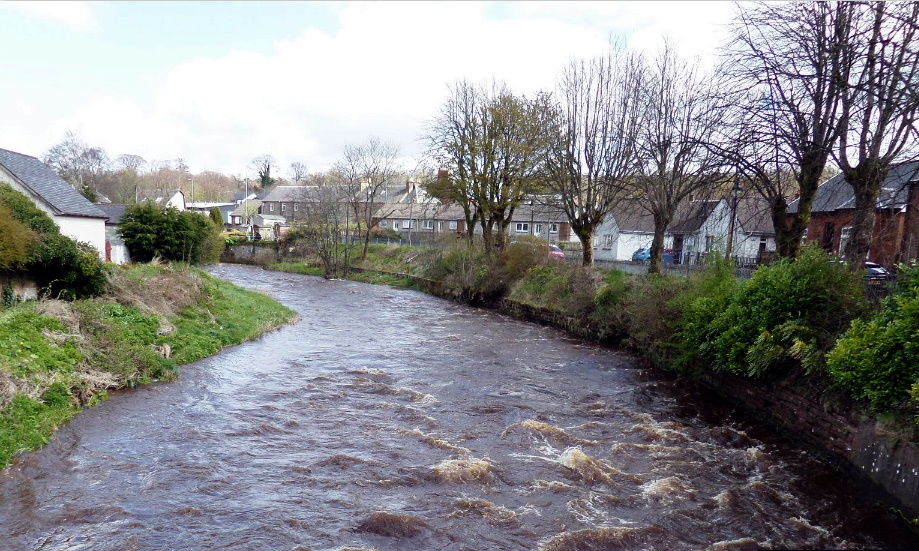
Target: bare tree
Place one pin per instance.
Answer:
(79, 164)
(262, 165)
(787, 55)
(325, 225)
(880, 70)
(365, 170)
(491, 143)
(127, 161)
(298, 171)
(593, 150)
(678, 115)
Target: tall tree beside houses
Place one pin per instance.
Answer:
(783, 59)
(880, 72)
(365, 170)
(678, 115)
(593, 135)
(491, 144)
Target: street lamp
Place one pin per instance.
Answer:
(192, 180)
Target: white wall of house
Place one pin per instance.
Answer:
(119, 254)
(89, 230)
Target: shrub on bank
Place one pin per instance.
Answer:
(789, 311)
(877, 360)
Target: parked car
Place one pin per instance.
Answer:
(874, 272)
(642, 254)
(556, 252)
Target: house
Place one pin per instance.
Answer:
(76, 217)
(115, 249)
(698, 228)
(172, 198)
(896, 228)
(204, 207)
(546, 222)
(268, 226)
(420, 219)
(244, 211)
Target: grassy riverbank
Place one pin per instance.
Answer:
(58, 357)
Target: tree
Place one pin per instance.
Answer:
(678, 115)
(365, 170)
(130, 162)
(325, 224)
(786, 55)
(491, 143)
(17, 239)
(78, 164)
(880, 72)
(298, 172)
(594, 134)
(263, 165)
(150, 231)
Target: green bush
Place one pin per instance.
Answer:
(790, 309)
(150, 231)
(560, 287)
(60, 266)
(878, 360)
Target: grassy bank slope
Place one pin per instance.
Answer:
(58, 357)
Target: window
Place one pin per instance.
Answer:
(270, 207)
(283, 207)
(709, 243)
(296, 207)
(406, 224)
(608, 240)
(428, 224)
(452, 224)
(553, 228)
(382, 223)
(237, 219)
(523, 227)
(537, 229)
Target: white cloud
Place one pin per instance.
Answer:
(76, 15)
(385, 71)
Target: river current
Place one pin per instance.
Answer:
(391, 420)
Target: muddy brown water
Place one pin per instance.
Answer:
(391, 420)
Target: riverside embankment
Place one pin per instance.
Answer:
(390, 419)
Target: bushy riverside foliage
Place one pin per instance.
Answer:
(34, 246)
(57, 357)
(150, 231)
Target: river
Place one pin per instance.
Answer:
(392, 420)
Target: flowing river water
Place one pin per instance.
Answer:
(391, 420)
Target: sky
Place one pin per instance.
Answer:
(220, 83)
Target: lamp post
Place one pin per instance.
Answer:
(735, 192)
(192, 180)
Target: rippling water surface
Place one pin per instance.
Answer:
(388, 419)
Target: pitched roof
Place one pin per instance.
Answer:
(423, 211)
(45, 183)
(836, 194)
(113, 211)
(632, 217)
(690, 216)
(754, 216)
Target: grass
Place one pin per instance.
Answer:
(59, 357)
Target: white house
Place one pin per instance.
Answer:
(699, 228)
(76, 217)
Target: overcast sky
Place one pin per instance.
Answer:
(219, 83)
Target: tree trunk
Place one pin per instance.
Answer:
(585, 235)
(657, 244)
(866, 180)
(809, 181)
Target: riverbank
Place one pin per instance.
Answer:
(58, 357)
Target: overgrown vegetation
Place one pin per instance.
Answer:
(57, 357)
(32, 245)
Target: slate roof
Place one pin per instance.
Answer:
(431, 211)
(113, 211)
(38, 177)
(836, 194)
(632, 217)
(754, 217)
(689, 217)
